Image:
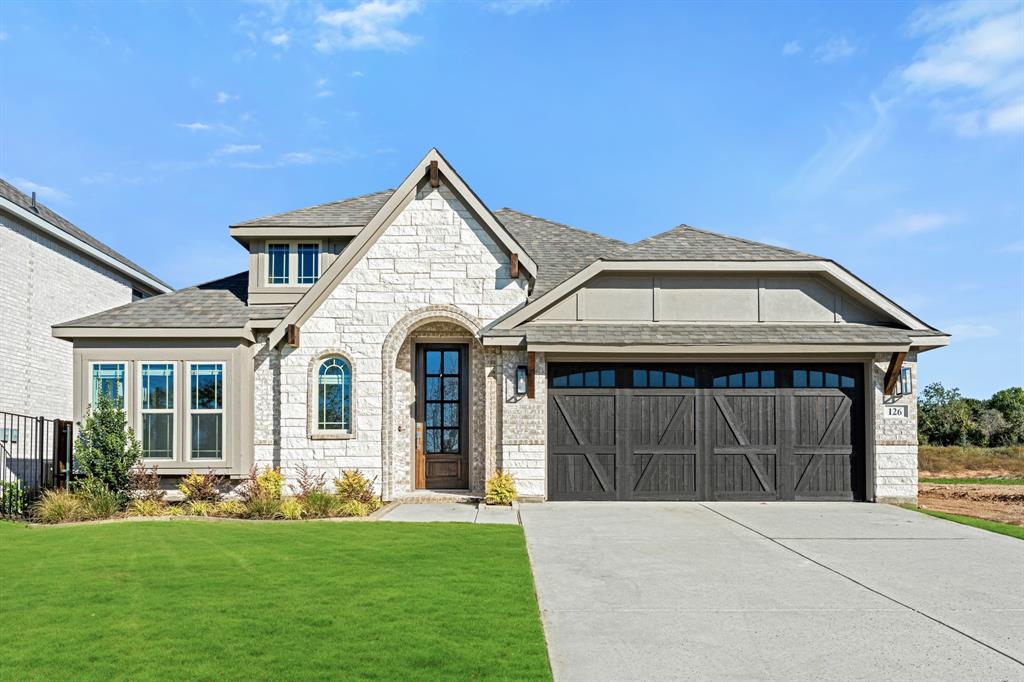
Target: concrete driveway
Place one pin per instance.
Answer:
(712, 591)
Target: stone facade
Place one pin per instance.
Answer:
(522, 423)
(895, 474)
(44, 283)
(434, 273)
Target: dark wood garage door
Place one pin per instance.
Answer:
(705, 432)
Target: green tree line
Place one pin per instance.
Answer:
(945, 417)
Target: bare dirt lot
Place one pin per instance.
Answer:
(1003, 503)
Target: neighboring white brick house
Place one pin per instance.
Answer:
(419, 337)
(49, 274)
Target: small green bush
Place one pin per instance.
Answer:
(320, 504)
(501, 489)
(12, 499)
(98, 502)
(229, 509)
(292, 509)
(145, 508)
(106, 448)
(204, 487)
(354, 508)
(263, 508)
(199, 508)
(58, 506)
(353, 486)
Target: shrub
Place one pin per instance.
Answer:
(176, 510)
(263, 508)
(200, 508)
(203, 487)
(320, 504)
(146, 484)
(292, 509)
(106, 448)
(354, 508)
(266, 484)
(501, 489)
(229, 508)
(98, 501)
(307, 483)
(12, 499)
(145, 508)
(58, 506)
(354, 487)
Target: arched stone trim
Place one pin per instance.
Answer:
(389, 356)
(313, 397)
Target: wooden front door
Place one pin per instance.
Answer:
(442, 405)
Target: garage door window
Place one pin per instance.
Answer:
(590, 377)
(656, 378)
(803, 378)
(764, 378)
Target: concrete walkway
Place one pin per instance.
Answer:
(454, 512)
(784, 591)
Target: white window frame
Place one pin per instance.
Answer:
(140, 411)
(293, 261)
(187, 454)
(124, 382)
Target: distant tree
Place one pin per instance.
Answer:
(1009, 402)
(944, 416)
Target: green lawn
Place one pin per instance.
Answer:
(189, 600)
(976, 481)
(984, 524)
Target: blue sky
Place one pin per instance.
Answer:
(888, 136)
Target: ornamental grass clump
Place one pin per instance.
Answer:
(97, 501)
(353, 486)
(501, 489)
(229, 509)
(145, 508)
(58, 506)
(354, 508)
(291, 509)
(320, 504)
(200, 508)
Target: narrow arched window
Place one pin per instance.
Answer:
(334, 393)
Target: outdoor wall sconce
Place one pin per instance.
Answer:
(521, 380)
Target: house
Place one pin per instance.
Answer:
(50, 271)
(426, 340)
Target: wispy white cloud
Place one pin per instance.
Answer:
(372, 25)
(834, 49)
(224, 97)
(356, 74)
(513, 7)
(279, 38)
(917, 223)
(968, 330)
(298, 158)
(324, 93)
(43, 192)
(200, 127)
(792, 47)
(231, 149)
(109, 178)
(971, 64)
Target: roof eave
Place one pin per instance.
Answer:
(71, 333)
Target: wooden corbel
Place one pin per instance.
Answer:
(892, 374)
(531, 366)
(435, 175)
(292, 338)
(514, 265)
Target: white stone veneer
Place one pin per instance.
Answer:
(895, 472)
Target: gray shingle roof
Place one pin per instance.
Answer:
(217, 304)
(712, 334)
(16, 196)
(560, 251)
(689, 243)
(354, 212)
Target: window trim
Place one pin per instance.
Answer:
(90, 403)
(313, 430)
(140, 411)
(187, 453)
(292, 261)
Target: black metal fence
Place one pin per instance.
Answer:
(35, 454)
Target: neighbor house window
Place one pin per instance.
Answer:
(334, 395)
(309, 263)
(108, 380)
(206, 410)
(277, 263)
(157, 407)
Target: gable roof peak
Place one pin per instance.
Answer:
(685, 242)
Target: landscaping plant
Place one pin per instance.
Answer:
(203, 487)
(199, 508)
(229, 508)
(146, 484)
(320, 504)
(265, 508)
(307, 483)
(267, 484)
(354, 508)
(106, 448)
(58, 506)
(501, 489)
(12, 499)
(97, 501)
(145, 507)
(353, 486)
(291, 509)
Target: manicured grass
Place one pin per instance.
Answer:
(975, 481)
(984, 524)
(189, 600)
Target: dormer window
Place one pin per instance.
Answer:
(293, 263)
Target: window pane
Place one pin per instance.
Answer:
(158, 386)
(671, 380)
(158, 435)
(108, 380)
(433, 415)
(848, 382)
(687, 381)
(451, 414)
(433, 362)
(206, 436)
(640, 378)
(451, 362)
(309, 263)
(768, 378)
(831, 380)
(750, 379)
(735, 381)
(450, 442)
(207, 387)
(815, 379)
(656, 378)
(451, 388)
(560, 382)
(576, 379)
(592, 379)
(607, 378)
(433, 388)
(334, 395)
(277, 263)
(799, 378)
(433, 441)
(719, 382)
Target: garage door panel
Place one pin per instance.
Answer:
(823, 445)
(582, 445)
(744, 444)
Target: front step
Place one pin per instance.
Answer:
(437, 497)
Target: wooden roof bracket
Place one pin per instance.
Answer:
(892, 374)
(514, 265)
(292, 337)
(435, 175)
